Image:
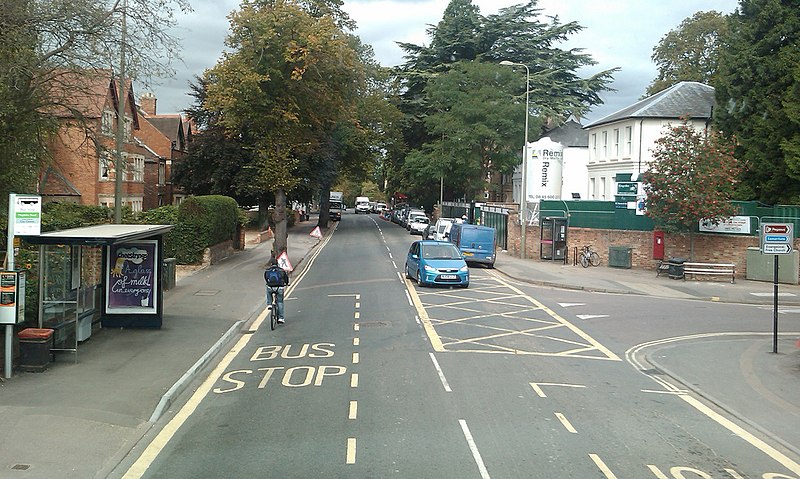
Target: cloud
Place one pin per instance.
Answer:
(619, 33)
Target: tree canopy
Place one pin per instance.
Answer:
(757, 97)
(438, 91)
(692, 177)
(690, 52)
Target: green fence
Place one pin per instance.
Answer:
(611, 215)
(496, 218)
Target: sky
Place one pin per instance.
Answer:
(617, 34)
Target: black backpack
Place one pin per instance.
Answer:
(273, 276)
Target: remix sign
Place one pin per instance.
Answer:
(777, 238)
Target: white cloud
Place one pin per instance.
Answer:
(617, 33)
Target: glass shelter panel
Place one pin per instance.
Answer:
(59, 292)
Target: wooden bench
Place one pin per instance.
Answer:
(726, 269)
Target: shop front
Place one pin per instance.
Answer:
(99, 276)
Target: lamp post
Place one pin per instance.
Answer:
(523, 201)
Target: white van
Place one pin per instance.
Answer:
(442, 228)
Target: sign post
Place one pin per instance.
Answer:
(24, 218)
(776, 239)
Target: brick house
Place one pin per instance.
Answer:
(81, 169)
(169, 136)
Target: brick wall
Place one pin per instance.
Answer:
(710, 248)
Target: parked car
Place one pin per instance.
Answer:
(476, 243)
(436, 262)
(412, 215)
(419, 224)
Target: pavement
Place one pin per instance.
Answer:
(84, 414)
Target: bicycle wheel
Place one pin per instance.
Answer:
(583, 260)
(594, 259)
(273, 315)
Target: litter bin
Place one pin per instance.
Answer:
(676, 268)
(34, 349)
(170, 272)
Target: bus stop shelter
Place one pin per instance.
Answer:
(108, 274)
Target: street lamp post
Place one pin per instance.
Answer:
(523, 201)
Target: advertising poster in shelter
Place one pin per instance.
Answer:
(132, 278)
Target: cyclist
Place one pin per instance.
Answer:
(276, 280)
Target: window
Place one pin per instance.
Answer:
(134, 170)
(594, 146)
(592, 188)
(162, 173)
(605, 144)
(107, 123)
(106, 169)
(616, 142)
(602, 187)
(628, 140)
(128, 125)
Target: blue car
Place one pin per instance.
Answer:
(436, 262)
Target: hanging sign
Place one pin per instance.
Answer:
(132, 278)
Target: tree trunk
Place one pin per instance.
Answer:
(324, 206)
(279, 218)
(263, 214)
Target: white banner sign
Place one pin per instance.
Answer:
(545, 165)
(733, 225)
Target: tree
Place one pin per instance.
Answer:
(289, 80)
(215, 164)
(515, 34)
(474, 128)
(757, 93)
(22, 125)
(691, 178)
(690, 52)
(45, 42)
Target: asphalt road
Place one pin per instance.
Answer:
(373, 376)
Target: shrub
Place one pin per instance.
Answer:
(203, 221)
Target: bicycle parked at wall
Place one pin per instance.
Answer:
(588, 257)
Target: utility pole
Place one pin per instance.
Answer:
(119, 161)
(523, 203)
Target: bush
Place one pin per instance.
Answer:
(61, 216)
(203, 221)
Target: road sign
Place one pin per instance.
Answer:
(776, 248)
(777, 238)
(777, 228)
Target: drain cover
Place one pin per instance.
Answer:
(206, 292)
(21, 467)
(375, 324)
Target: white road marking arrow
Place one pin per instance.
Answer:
(568, 305)
(591, 316)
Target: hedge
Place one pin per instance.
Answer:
(203, 221)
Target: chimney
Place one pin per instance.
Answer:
(148, 104)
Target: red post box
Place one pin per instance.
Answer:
(658, 245)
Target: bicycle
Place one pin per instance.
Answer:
(273, 310)
(588, 257)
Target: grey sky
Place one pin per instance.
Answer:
(617, 33)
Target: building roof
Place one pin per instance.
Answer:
(171, 126)
(106, 234)
(684, 99)
(86, 92)
(570, 135)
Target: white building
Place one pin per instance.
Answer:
(623, 141)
